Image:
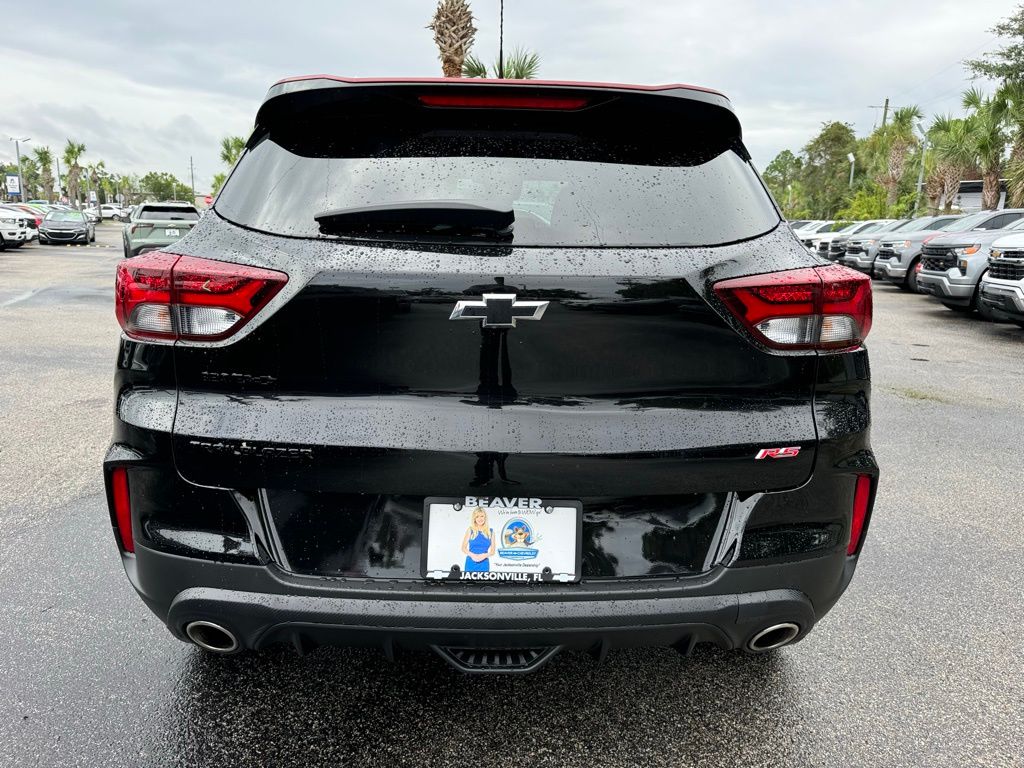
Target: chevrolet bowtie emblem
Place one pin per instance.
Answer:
(499, 310)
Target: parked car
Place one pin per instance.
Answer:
(861, 252)
(952, 266)
(112, 211)
(1002, 284)
(30, 214)
(67, 227)
(13, 228)
(155, 225)
(807, 235)
(900, 259)
(390, 392)
(832, 246)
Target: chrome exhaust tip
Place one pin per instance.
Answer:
(211, 637)
(775, 636)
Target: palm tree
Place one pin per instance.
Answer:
(231, 148)
(900, 139)
(453, 34)
(520, 65)
(72, 152)
(45, 159)
(986, 124)
(1012, 95)
(93, 171)
(956, 150)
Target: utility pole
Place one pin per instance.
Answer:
(192, 173)
(59, 193)
(884, 108)
(21, 181)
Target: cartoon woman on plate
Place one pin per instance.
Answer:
(478, 543)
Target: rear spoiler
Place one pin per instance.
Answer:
(693, 107)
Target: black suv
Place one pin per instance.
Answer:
(496, 369)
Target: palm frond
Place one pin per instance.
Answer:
(521, 64)
(473, 67)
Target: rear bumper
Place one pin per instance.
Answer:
(262, 605)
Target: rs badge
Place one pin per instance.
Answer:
(778, 453)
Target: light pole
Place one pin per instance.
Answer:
(17, 152)
(853, 162)
(920, 171)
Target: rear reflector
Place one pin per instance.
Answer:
(165, 296)
(823, 308)
(861, 496)
(484, 101)
(122, 508)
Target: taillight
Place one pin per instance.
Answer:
(122, 507)
(861, 497)
(165, 296)
(485, 101)
(824, 308)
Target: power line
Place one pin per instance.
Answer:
(959, 61)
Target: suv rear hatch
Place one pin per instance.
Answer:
(358, 392)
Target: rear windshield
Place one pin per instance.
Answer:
(168, 213)
(564, 189)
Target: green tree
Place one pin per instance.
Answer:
(44, 157)
(73, 151)
(1006, 62)
(782, 176)
(218, 182)
(956, 150)
(521, 64)
(231, 148)
(31, 176)
(986, 123)
(869, 202)
(897, 141)
(164, 186)
(1012, 96)
(454, 33)
(825, 172)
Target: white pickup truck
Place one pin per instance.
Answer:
(1002, 286)
(13, 229)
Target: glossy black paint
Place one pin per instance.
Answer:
(292, 460)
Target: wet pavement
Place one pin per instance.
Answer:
(921, 663)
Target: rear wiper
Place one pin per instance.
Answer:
(440, 218)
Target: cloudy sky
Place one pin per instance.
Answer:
(146, 85)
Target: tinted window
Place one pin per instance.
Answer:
(999, 222)
(168, 213)
(563, 189)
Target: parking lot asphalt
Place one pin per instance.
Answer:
(921, 663)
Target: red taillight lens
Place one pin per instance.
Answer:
(165, 296)
(122, 508)
(484, 101)
(823, 308)
(861, 497)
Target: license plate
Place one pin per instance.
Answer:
(495, 539)
(172, 233)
